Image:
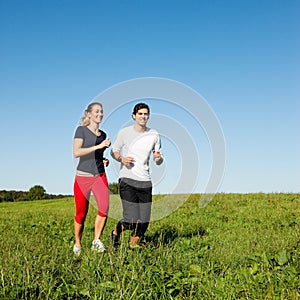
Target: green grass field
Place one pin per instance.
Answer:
(239, 246)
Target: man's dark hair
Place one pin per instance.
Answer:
(139, 106)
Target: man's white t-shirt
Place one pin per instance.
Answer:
(138, 145)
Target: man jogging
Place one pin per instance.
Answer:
(132, 148)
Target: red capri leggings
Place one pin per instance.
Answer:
(83, 186)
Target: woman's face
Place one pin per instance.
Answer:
(96, 115)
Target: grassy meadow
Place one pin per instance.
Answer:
(239, 246)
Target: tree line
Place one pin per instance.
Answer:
(38, 192)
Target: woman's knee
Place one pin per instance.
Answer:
(102, 214)
(80, 218)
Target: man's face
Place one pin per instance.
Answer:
(142, 117)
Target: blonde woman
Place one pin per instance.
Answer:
(89, 145)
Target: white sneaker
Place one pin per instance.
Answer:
(98, 246)
(76, 250)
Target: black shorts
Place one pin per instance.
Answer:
(136, 197)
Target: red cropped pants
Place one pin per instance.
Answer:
(83, 186)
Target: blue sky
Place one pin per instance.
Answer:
(242, 57)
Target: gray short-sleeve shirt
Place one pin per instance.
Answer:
(93, 162)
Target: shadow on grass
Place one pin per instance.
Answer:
(167, 235)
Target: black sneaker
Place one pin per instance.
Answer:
(115, 239)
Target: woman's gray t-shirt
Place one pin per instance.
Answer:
(93, 162)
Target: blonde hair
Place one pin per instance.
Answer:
(85, 120)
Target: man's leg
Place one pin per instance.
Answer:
(130, 205)
(145, 203)
(130, 211)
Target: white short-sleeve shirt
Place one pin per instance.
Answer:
(138, 145)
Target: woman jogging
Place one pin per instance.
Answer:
(89, 145)
(132, 148)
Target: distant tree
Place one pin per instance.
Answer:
(11, 196)
(37, 192)
(20, 196)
